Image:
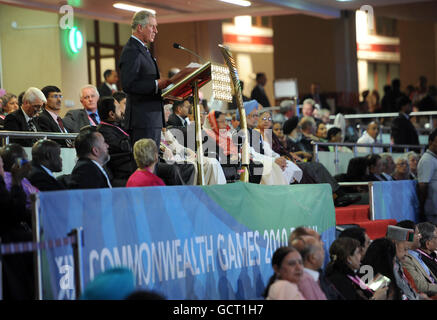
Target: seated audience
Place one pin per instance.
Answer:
(75, 119)
(308, 128)
(334, 135)
(146, 157)
(345, 257)
(322, 132)
(46, 159)
(8, 104)
(293, 134)
(49, 119)
(24, 119)
(121, 97)
(92, 154)
(402, 171)
(288, 271)
(369, 137)
(427, 178)
(308, 107)
(413, 160)
(375, 168)
(14, 155)
(388, 166)
(360, 235)
(419, 262)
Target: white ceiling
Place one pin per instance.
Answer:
(196, 10)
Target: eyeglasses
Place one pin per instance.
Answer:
(37, 106)
(56, 96)
(265, 118)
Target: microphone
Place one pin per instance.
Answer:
(178, 46)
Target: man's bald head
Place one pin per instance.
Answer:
(311, 250)
(373, 129)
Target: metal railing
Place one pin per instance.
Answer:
(372, 147)
(6, 135)
(369, 184)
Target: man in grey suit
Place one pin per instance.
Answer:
(140, 79)
(88, 116)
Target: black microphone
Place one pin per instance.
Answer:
(178, 46)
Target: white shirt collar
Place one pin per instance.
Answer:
(314, 274)
(138, 40)
(26, 116)
(103, 171)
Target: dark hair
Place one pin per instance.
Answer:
(217, 114)
(332, 132)
(297, 233)
(119, 95)
(356, 233)
(356, 169)
(144, 295)
(372, 159)
(396, 84)
(49, 89)
(277, 258)
(407, 224)
(340, 250)
(107, 73)
(104, 106)
(85, 141)
(20, 98)
(387, 88)
(380, 256)
(290, 124)
(426, 229)
(42, 150)
(10, 153)
(432, 136)
(402, 101)
(259, 75)
(178, 104)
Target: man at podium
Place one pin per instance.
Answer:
(144, 116)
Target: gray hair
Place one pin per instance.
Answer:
(88, 86)
(145, 153)
(412, 154)
(6, 98)
(309, 101)
(307, 122)
(426, 229)
(384, 158)
(32, 94)
(168, 107)
(141, 18)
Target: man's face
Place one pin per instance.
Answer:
(252, 118)
(307, 110)
(184, 110)
(262, 80)
(33, 108)
(372, 130)
(101, 149)
(118, 115)
(413, 163)
(390, 167)
(54, 101)
(123, 106)
(433, 145)
(402, 248)
(56, 161)
(337, 137)
(112, 78)
(203, 114)
(277, 129)
(89, 99)
(432, 244)
(149, 31)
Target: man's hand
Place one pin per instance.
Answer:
(281, 162)
(163, 83)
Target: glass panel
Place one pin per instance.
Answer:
(124, 33)
(106, 30)
(89, 28)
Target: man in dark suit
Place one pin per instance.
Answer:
(46, 159)
(74, 120)
(258, 93)
(23, 119)
(92, 154)
(402, 130)
(144, 117)
(110, 85)
(180, 113)
(49, 119)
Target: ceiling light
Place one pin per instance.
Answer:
(129, 7)
(242, 3)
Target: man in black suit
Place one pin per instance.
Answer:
(258, 93)
(92, 154)
(140, 79)
(49, 119)
(46, 159)
(402, 130)
(76, 119)
(122, 163)
(181, 110)
(110, 85)
(23, 119)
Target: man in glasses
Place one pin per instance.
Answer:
(23, 119)
(49, 119)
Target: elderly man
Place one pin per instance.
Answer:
(23, 119)
(388, 166)
(413, 160)
(369, 136)
(427, 178)
(49, 119)
(74, 120)
(109, 86)
(308, 108)
(46, 159)
(92, 154)
(258, 93)
(144, 117)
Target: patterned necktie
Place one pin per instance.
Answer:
(94, 118)
(61, 125)
(31, 125)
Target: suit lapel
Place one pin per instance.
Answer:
(146, 53)
(53, 123)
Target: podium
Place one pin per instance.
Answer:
(186, 85)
